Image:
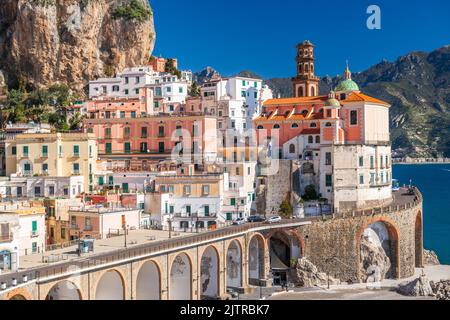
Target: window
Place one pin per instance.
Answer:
(108, 148)
(76, 151)
(277, 126)
(180, 90)
(138, 80)
(361, 179)
(292, 148)
(107, 115)
(317, 139)
(381, 162)
(232, 201)
(361, 161)
(382, 177)
(126, 132)
(187, 190)
(37, 191)
(144, 147)
(87, 224)
(205, 190)
(353, 117)
(238, 171)
(90, 151)
(328, 159)
(127, 147)
(115, 89)
(133, 114)
(122, 114)
(387, 161)
(127, 91)
(44, 167)
(260, 127)
(372, 162)
(328, 180)
(328, 124)
(27, 168)
(189, 210)
(45, 151)
(144, 133)
(294, 126)
(313, 125)
(168, 89)
(310, 139)
(372, 178)
(126, 80)
(34, 247)
(107, 133)
(14, 151)
(243, 95)
(76, 168)
(25, 151)
(161, 147)
(256, 95)
(328, 113)
(161, 131)
(125, 187)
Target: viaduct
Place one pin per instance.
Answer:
(241, 258)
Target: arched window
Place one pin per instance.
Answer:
(307, 67)
(311, 139)
(294, 126)
(313, 91)
(317, 139)
(292, 148)
(328, 124)
(300, 91)
(300, 68)
(277, 126)
(260, 127)
(305, 113)
(312, 68)
(313, 125)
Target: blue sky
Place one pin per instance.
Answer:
(260, 35)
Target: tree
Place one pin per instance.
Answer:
(310, 193)
(194, 90)
(170, 68)
(286, 210)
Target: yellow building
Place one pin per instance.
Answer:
(53, 155)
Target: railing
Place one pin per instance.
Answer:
(6, 238)
(34, 234)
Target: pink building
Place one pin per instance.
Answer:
(140, 139)
(121, 108)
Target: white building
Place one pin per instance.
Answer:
(9, 242)
(128, 84)
(239, 99)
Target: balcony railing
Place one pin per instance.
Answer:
(88, 228)
(6, 237)
(34, 234)
(44, 155)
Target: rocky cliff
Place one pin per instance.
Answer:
(72, 41)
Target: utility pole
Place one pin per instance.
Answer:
(126, 229)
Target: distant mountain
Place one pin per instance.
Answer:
(204, 75)
(418, 87)
(249, 74)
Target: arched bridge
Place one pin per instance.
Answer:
(193, 267)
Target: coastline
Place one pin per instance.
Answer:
(411, 161)
(419, 163)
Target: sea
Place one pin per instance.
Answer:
(433, 180)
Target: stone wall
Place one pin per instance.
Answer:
(333, 245)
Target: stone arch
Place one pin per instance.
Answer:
(148, 281)
(418, 240)
(256, 259)
(110, 286)
(391, 245)
(300, 91)
(181, 278)
(210, 273)
(285, 248)
(64, 290)
(234, 264)
(18, 294)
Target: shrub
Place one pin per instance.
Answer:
(135, 10)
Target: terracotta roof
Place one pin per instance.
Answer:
(358, 97)
(292, 101)
(310, 131)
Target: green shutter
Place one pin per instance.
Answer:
(34, 226)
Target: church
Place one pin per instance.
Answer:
(340, 141)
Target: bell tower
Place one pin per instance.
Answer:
(306, 84)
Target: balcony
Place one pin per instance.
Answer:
(74, 227)
(6, 238)
(76, 154)
(88, 228)
(44, 155)
(34, 234)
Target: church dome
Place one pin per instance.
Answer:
(332, 103)
(347, 85)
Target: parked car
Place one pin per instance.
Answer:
(254, 219)
(274, 219)
(239, 221)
